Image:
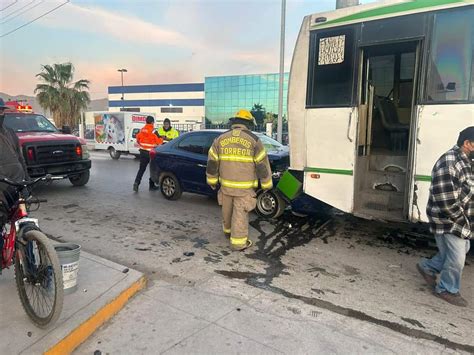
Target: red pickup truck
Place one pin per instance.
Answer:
(46, 149)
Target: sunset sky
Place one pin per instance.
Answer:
(172, 41)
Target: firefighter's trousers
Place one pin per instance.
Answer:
(235, 216)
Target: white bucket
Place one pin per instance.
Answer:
(68, 254)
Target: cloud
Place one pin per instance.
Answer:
(184, 42)
(98, 20)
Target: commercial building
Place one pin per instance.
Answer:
(181, 103)
(211, 102)
(258, 93)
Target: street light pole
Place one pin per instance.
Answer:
(340, 4)
(121, 74)
(282, 68)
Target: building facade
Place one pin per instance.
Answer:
(181, 103)
(225, 95)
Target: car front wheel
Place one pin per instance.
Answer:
(170, 187)
(81, 179)
(269, 204)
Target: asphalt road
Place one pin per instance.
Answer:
(330, 271)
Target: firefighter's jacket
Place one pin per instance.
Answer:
(147, 139)
(237, 160)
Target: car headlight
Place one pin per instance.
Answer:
(85, 152)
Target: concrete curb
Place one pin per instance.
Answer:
(78, 335)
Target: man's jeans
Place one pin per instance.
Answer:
(448, 262)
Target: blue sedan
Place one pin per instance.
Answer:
(180, 166)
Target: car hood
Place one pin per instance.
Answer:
(27, 137)
(279, 159)
(278, 153)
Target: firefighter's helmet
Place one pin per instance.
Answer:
(245, 115)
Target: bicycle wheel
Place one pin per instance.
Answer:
(39, 279)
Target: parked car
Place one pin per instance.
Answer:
(180, 166)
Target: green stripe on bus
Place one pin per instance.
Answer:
(390, 10)
(423, 178)
(329, 171)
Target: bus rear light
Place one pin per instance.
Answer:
(315, 176)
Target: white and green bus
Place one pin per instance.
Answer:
(377, 93)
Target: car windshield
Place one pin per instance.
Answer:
(269, 143)
(28, 123)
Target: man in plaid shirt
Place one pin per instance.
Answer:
(451, 214)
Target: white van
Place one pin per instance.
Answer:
(117, 131)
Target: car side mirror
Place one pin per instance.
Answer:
(66, 130)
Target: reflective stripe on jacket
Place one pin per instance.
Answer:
(168, 135)
(147, 139)
(237, 160)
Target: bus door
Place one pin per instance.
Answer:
(331, 118)
(386, 121)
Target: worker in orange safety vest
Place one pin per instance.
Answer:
(147, 139)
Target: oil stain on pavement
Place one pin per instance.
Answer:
(291, 232)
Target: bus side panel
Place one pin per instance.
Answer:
(438, 130)
(330, 149)
(297, 98)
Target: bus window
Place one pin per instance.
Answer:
(452, 49)
(331, 68)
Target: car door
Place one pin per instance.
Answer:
(192, 160)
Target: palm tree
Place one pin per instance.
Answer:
(58, 93)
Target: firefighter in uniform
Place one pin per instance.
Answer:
(147, 140)
(167, 132)
(237, 161)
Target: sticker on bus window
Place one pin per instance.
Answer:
(331, 50)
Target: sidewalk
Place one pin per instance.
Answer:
(103, 289)
(223, 316)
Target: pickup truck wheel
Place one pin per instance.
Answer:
(114, 153)
(81, 179)
(269, 204)
(170, 187)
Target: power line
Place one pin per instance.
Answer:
(21, 13)
(37, 18)
(6, 7)
(15, 11)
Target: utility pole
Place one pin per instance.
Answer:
(282, 68)
(121, 74)
(346, 3)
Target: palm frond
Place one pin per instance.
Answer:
(58, 93)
